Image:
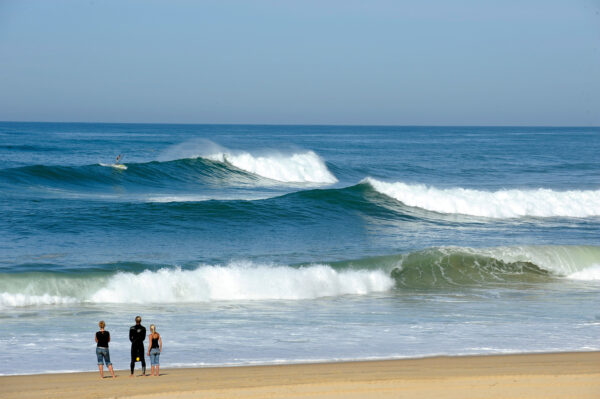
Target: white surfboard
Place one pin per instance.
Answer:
(114, 165)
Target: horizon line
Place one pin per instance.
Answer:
(297, 124)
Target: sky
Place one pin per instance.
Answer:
(429, 62)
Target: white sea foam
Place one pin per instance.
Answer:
(493, 204)
(236, 281)
(589, 274)
(17, 300)
(300, 166)
(239, 281)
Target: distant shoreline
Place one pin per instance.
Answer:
(540, 375)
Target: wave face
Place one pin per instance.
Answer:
(498, 204)
(434, 268)
(458, 267)
(144, 175)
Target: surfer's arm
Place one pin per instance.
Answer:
(149, 343)
(96, 338)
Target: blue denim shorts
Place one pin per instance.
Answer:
(154, 354)
(103, 355)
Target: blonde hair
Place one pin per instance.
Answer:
(152, 328)
(102, 324)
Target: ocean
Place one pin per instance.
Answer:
(249, 244)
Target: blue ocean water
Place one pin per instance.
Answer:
(263, 244)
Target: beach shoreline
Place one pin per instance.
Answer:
(533, 375)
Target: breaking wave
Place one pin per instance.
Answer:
(497, 204)
(433, 268)
(305, 167)
(184, 178)
(301, 166)
(236, 281)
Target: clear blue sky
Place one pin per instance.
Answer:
(309, 62)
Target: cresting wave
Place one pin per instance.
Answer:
(434, 268)
(300, 166)
(460, 267)
(499, 204)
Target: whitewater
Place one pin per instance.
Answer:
(541, 202)
(281, 244)
(249, 281)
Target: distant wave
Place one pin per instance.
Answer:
(433, 268)
(175, 175)
(218, 169)
(298, 166)
(301, 167)
(202, 180)
(497, 204)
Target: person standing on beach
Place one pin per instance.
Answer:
(154, 349)
(137, 334)
(102, 340)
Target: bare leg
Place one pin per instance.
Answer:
(112, 372)
(157, 373)
(152, 371)
(101, 368)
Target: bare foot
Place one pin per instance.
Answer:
(130, 375)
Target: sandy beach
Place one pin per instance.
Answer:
(552, 375)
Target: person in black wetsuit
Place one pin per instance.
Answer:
(137, 334)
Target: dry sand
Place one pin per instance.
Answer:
(553, 375)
